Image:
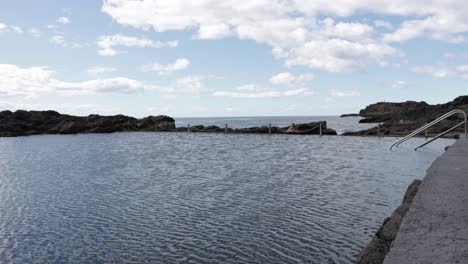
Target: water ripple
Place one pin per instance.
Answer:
(186, 198)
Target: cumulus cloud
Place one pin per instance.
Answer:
(264, 93)
(100, 70)
(73, 109)
(443, 71)
(383, 24)
(63, 20)
(191, 84)
(163, 69)
(287, 78)
(254, 91)
(34, 32)
(398, 84)
(58, 40)
(435, 71)
(344, 93)
(10, 28)
(106, 44)
(318, 34)
(34, 81)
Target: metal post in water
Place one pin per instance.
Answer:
(320, 126)
(378, 131)
(188, 128)
(225, 128)
(269, 128)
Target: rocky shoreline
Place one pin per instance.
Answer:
(397, 119)
(393, 119)
(378, 247)
(25, 123)
(349, 115)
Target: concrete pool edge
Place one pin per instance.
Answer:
(435, 226)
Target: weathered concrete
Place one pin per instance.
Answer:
(435, 229)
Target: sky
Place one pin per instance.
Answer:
(229, 57)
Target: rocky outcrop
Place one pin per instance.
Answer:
(349, 115)
(299, 129)
(380, 244)
(401, 118)
(23, 123)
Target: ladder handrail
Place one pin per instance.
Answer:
(436, 121)
(440, 135)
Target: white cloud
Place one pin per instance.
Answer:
(63, 20)
(106, 44)
(34, 32)
(383, 24)
(250, 87)
(443, 71)
(100, 70)
(34, 81)
(214, 31)
(73, 109)
(294, 29)
(255, 91)
(462, 71)
(178, 65)
(191, 84)
(10, 28)
(158, 109)
(282, 78)
(435, 71)
(344, 93)
(345, 30)
(264, 94)
(287, 78)
(398, 84)
(58, 40)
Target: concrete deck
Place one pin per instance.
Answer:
(435, 229)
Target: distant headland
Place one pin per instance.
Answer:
(397, 119)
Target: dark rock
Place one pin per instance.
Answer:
(349, 115)
(254, 130)
(23, 123)
(310, 128)
(300, 129)
(401, 118)
(378, 247)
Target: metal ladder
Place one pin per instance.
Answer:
(438, 120)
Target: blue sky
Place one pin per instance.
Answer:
(229, 58)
